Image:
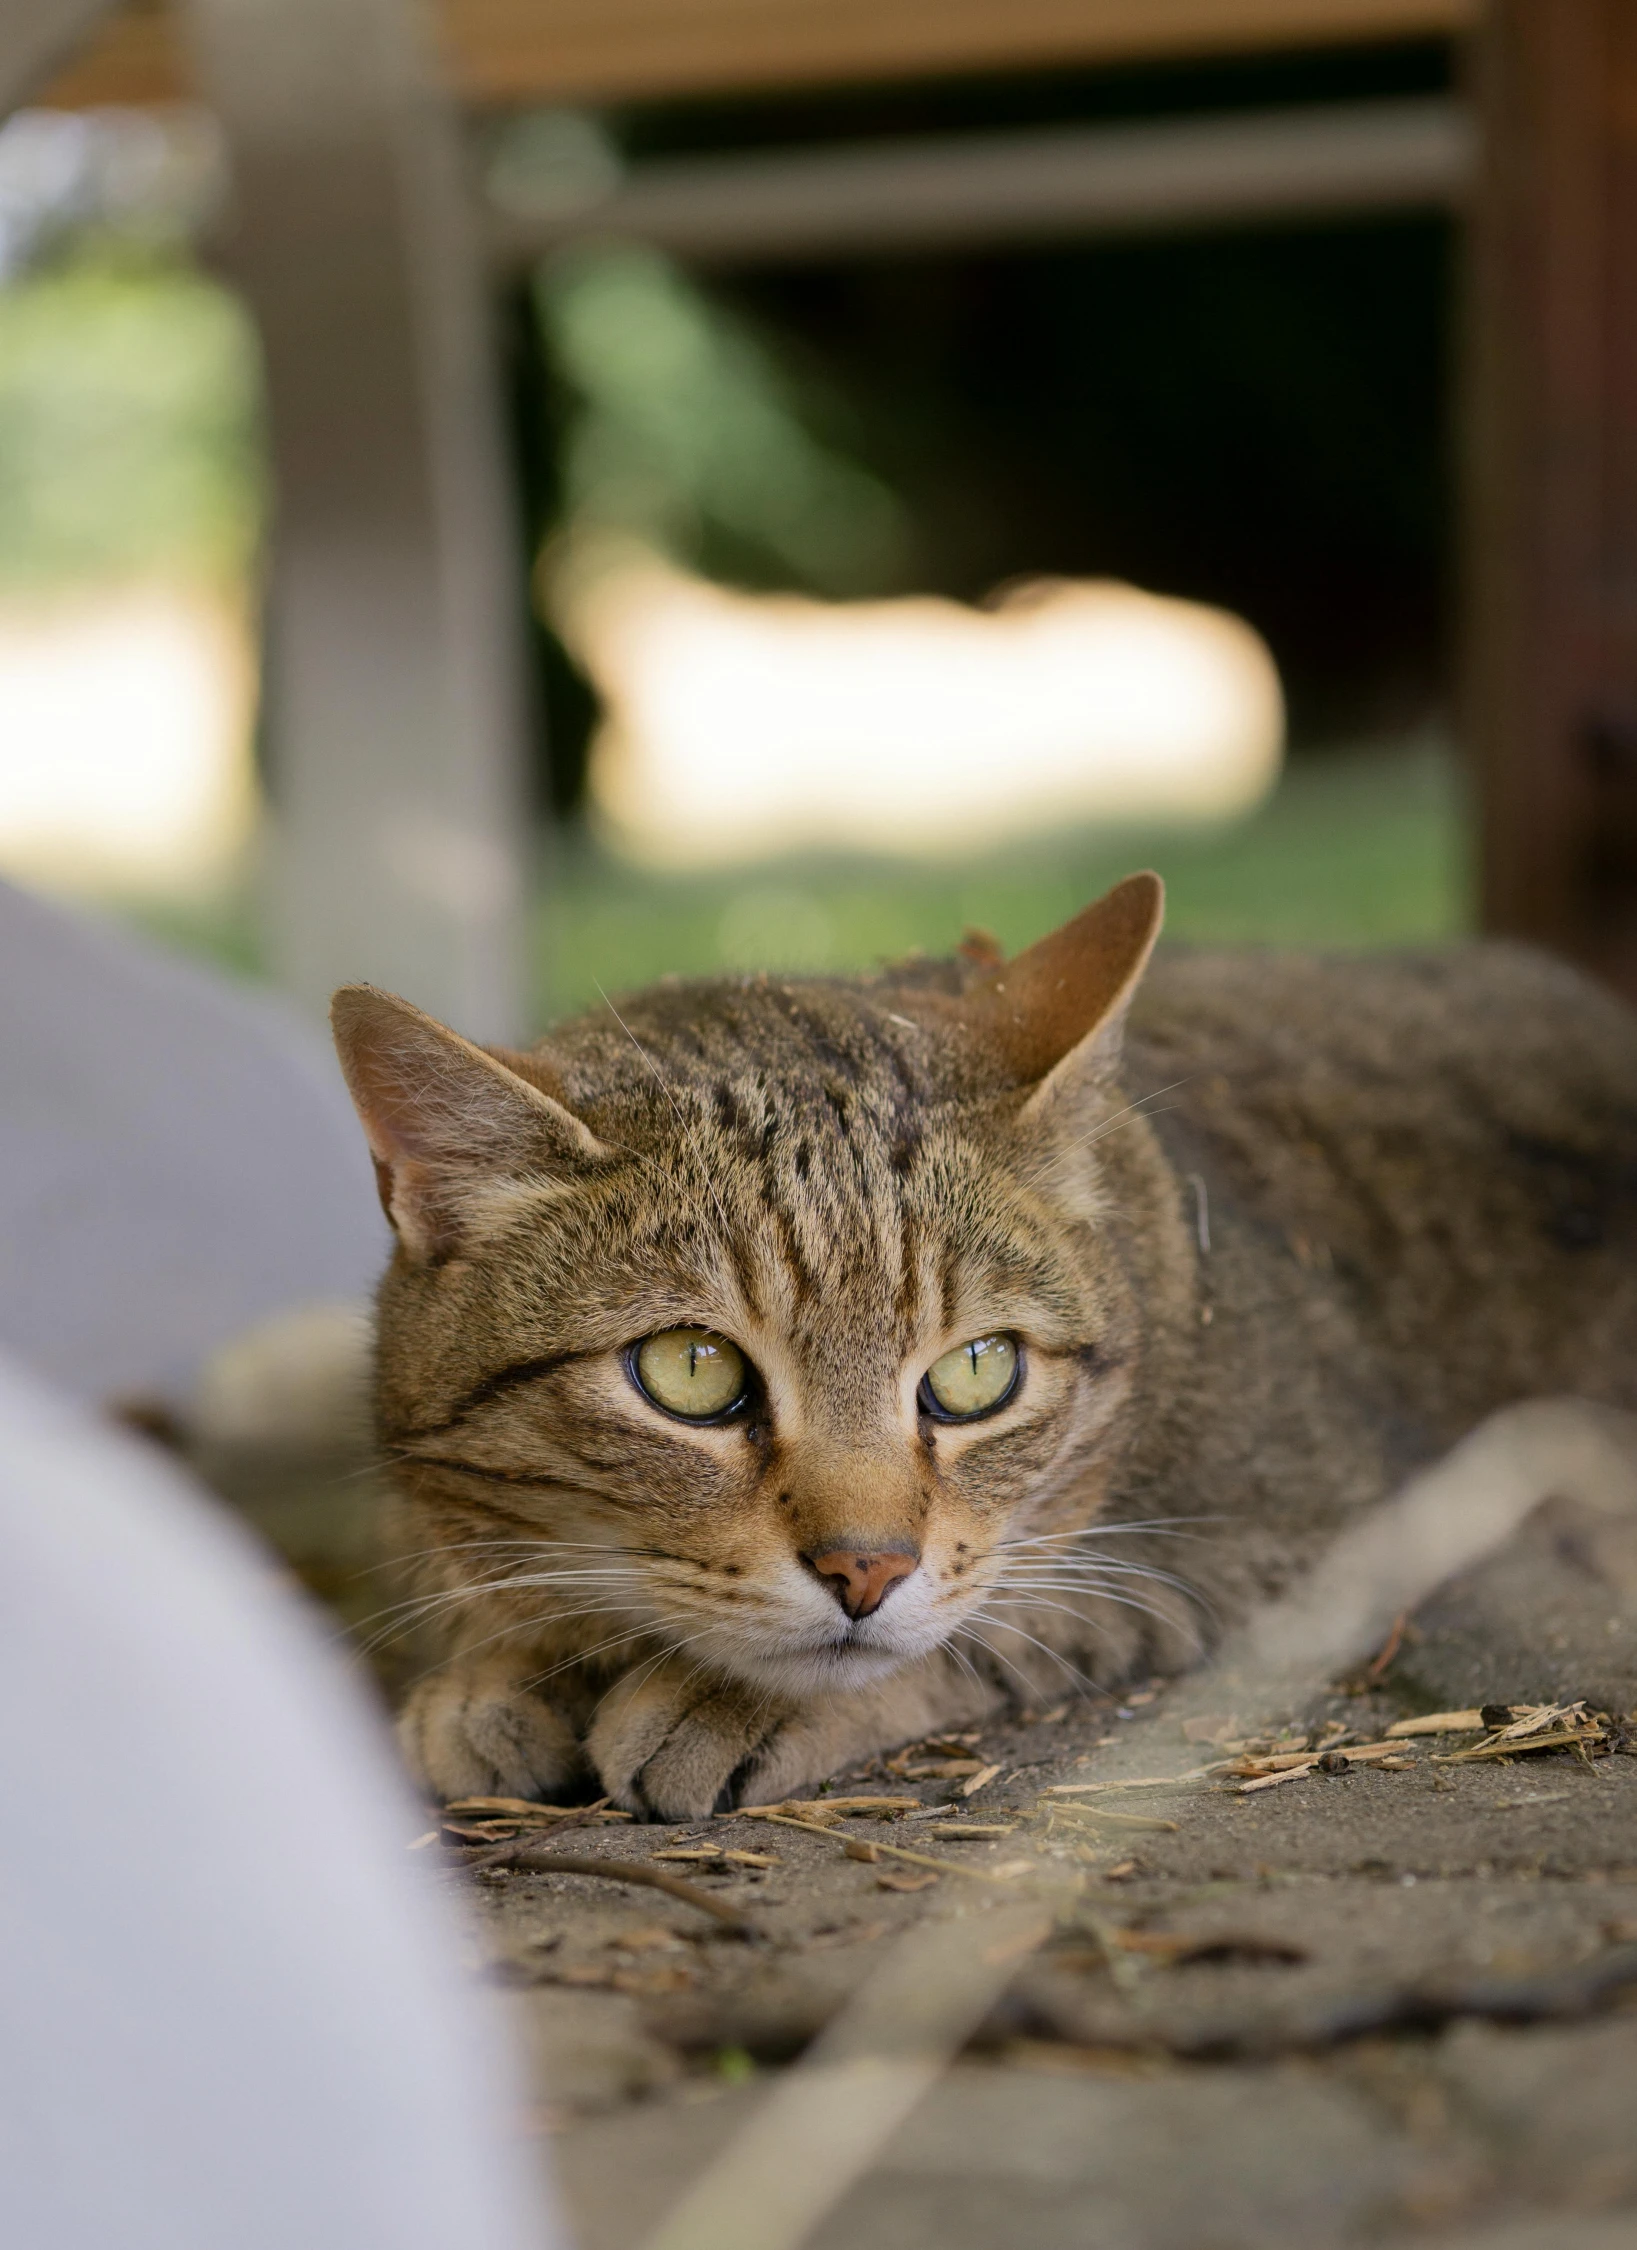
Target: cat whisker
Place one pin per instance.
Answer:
(373, 1467)
(598, 1648)
(402, 1617)
(1125, 1601)
(1045, 1559)
(970, 1632)
(1119, 1121)
(1107, 1589)
(503, 1583)
(964, 1661)
(642, 1673)
(1093, 1590)
(533, 1544)
(559, 1618)
(1093, 1581)
(1093, 1569)
(426, 1554)
(1138, 1108)
(1044, 1647)
(1123, 1123)
(521, 1630)
(390, 1635)
(1158, 1525)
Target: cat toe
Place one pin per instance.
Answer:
(670, 1759)
(473, 1738)
(790, 1763)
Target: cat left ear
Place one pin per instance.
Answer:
(1057, 1013)
(451, 1127)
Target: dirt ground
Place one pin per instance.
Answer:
(1366, 2007)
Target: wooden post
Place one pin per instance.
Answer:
(1551, 660)
(37, 38)
(396, 731)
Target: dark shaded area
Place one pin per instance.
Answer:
(1255, 418)
(1252, 419)
(995, 102)
(564, 704)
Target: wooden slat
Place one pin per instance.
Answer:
(504, 52)
(509, 50)
(1551, 549)
(879, 198)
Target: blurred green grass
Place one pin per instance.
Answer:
(1354, 848)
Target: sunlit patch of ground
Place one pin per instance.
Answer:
(125, 716)
(741, 724)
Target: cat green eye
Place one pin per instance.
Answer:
(690, 1372)
(971, 1380)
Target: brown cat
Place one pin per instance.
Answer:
(778, 1370)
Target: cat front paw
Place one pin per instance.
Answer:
(474, 1729)
(674, 1746)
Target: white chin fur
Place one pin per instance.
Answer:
(814, 1654)
(799, 1670)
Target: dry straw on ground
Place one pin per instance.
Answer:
(824, 2124)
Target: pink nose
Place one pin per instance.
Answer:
(861, 1583)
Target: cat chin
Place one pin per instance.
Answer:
(804, 1672)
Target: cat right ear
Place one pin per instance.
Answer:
(452, 1129)
(1056, 1014)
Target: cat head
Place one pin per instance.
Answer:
(756, 1317)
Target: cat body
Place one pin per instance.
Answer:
(1233, 1247)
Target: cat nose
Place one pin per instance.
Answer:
(861, 1583)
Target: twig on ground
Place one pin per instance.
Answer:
(872, 1851)
(1437, 1722)
(824, 1812)
(1106, 1816)
(1273, 1780)
(1135, 1781)
(1566, 1740)
(540, 1862)
(1389, 1647)
(1251, 1767)
(474, 1859)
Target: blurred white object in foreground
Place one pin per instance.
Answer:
(124, 741)
(178, 1160)
(230, 2013)
(740, 724)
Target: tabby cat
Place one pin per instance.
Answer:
(781, 1369)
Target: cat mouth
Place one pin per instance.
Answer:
(863, 1644)
(808, 1662)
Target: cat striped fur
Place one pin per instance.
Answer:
(847, 1180)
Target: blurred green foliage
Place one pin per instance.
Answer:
(686, 432)
(130, 435)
